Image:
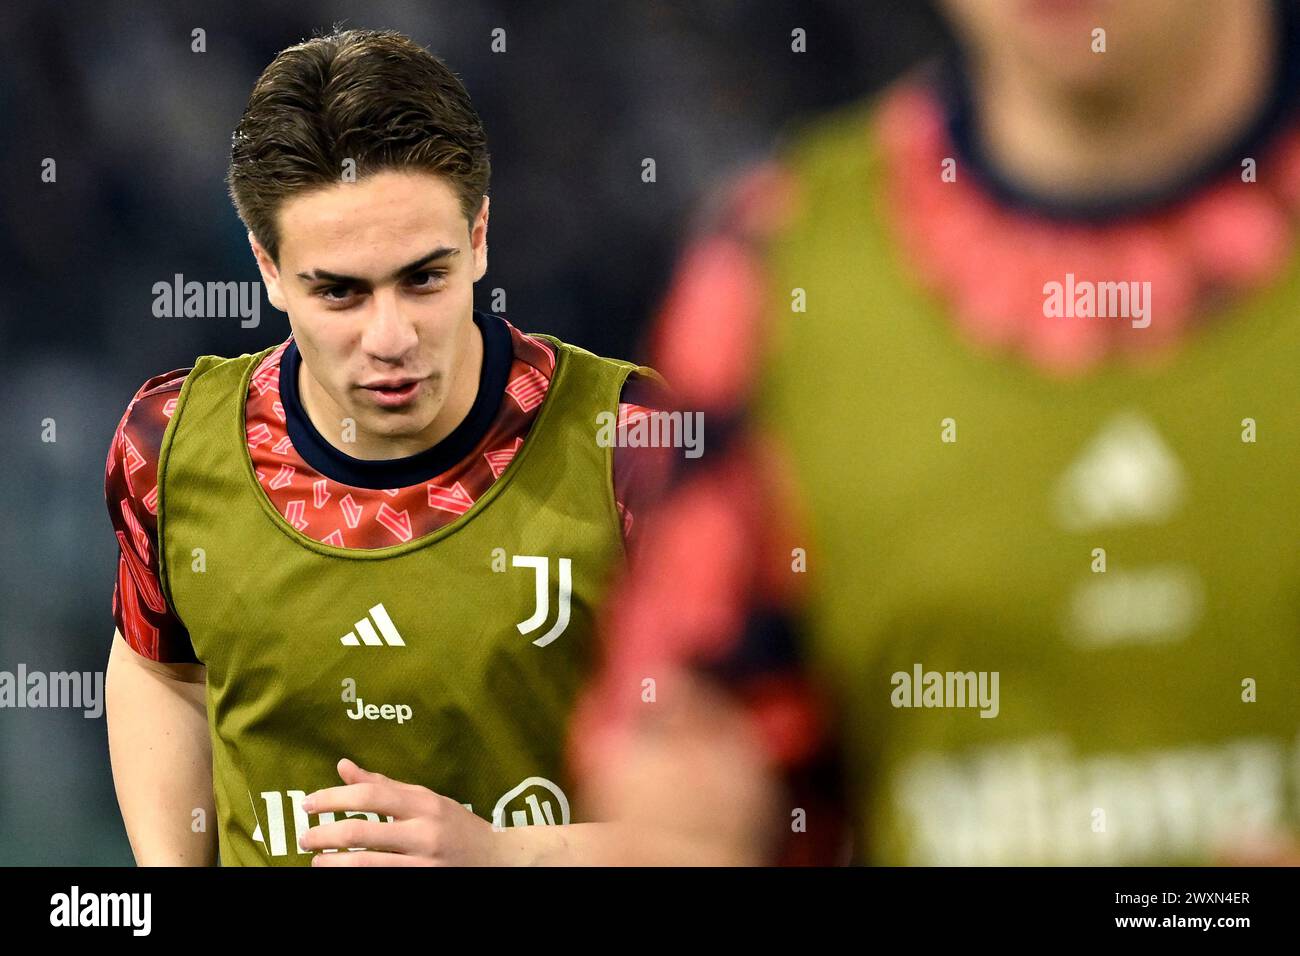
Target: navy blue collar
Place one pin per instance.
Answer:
(498, 354)
(963, 132)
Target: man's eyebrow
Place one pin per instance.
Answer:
(442, 252)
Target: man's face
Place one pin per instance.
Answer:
(377, 278)
(1052, 40)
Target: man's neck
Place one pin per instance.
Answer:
(1075, 145)
(325, 414)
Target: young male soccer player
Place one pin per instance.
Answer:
(372, 550)
(1025, 590)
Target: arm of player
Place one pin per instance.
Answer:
(161, 758)
(429, 829)
(157, 721)
(688, 782)
(707, 729)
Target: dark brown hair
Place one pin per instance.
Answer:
(372, 96)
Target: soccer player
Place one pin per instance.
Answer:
(998, 564)
(371, 551)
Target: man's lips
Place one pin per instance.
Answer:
(395, 392)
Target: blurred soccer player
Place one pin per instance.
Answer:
(998, 564)
(381, 539)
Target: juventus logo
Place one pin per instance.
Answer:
(542, 569)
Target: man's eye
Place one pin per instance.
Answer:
(425, 280)
(334, 293)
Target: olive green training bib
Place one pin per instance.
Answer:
(450, 661)
(1118, 551)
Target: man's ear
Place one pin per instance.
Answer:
(478, 240)
(270, 274)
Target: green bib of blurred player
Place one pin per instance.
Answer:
(450, 661)
(1116, 551)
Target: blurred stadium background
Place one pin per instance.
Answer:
(140, 128)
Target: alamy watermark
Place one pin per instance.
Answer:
(652, 429)
(922, 688)
(74, 908)
(208, 300)
(1082, 299)
(36, 689)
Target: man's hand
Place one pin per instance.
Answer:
(427, 829)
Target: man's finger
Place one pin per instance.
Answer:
(386, 797)
(352, 772)
(345, 834)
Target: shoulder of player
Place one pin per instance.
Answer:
(643, 392)
(713, 326)
(534, 354)
(140, 430)
(706, 337)
(156, 398)
(168, 383)
(751, 203)
(755, 201)
(843, 142)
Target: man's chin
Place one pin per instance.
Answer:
(397, 424)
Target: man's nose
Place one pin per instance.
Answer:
(389, 335)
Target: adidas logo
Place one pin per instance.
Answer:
(368, 633)
(1126, 475)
